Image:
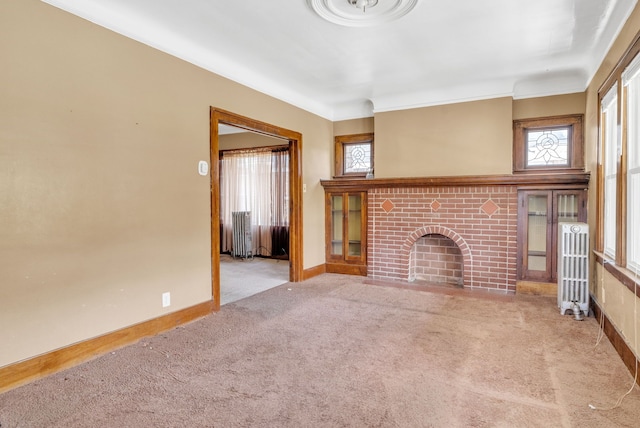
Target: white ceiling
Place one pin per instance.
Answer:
(441, 52)
(229, 129)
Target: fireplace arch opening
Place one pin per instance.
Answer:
(436, 259)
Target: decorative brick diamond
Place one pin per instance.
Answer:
(489, 207)
(435, 205)
(387, 205)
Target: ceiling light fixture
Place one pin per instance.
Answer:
(363, 4)
(351, 13)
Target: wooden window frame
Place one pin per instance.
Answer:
(618, 267)
(603, 148)
(575, 149)
(344, 140)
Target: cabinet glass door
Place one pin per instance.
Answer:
(354, 228)
(567, 207)
(538, 217)
(346, 232)
(336, 225)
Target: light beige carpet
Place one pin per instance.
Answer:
(335, 352)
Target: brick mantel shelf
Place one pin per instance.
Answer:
(521, 180)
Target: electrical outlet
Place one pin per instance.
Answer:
(166, 299)
(304, 188)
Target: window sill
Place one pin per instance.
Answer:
(625, 276)
(348, 176)
(549, 170)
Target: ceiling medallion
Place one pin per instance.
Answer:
(363, 4)
(361, 13)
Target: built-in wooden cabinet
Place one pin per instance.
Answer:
(346, 232)
(539, 213)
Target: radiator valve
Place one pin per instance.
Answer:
(577, 312)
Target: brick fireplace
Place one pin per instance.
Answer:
(461, 230)
(481, 221)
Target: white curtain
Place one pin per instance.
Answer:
(253, 180)
(280, 187)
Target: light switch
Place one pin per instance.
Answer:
(203, 167)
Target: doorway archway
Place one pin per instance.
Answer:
(294, 139)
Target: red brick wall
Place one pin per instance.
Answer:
(436, 259)
(482, 221)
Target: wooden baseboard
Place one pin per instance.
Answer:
(38, 367)
(537, 288)
(616, 339)
(314, 271)
(347, 269)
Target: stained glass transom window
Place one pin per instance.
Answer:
(548, 147)
(354, 155)
(551, 143)
(357, 157)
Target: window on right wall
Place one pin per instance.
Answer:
(548, 144)
(618, 224)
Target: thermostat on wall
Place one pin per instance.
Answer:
(203, 168)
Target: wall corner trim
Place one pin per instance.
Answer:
(314, 271)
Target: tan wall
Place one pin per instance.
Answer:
(618, 302)
(472, 138)
(353, 126)
(549, 106)
(101, 204)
